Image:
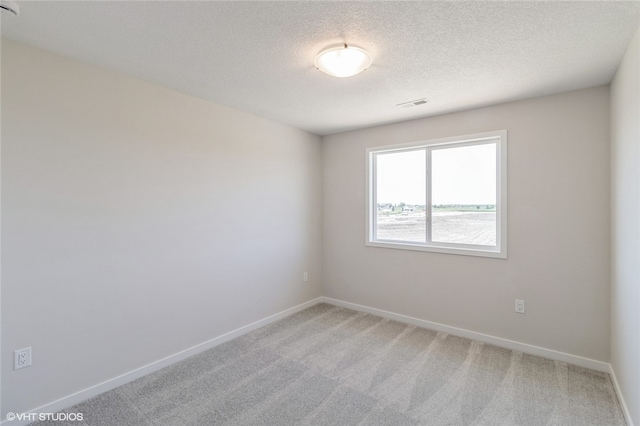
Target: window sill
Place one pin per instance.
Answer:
(495, 253)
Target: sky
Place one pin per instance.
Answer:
(460, 175)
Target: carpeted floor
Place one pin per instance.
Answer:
(332, 366)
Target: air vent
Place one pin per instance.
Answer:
(412, 104)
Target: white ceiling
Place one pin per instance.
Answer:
(258, 56)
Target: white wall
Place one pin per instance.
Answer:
(138, 222)
(625, 229)
(558, 230)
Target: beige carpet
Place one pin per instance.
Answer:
(333, 366)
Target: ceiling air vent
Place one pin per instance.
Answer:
(412, 104)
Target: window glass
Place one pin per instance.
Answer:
(463, 201)
(400, 195)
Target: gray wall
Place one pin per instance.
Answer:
(625, 228)
(558, 230)
(138, 222)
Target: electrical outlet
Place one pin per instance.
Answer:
(22, 358)
(520, 306)
(305, 277)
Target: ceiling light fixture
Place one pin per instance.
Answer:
(343, 60)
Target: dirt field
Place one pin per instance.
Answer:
(452, 227)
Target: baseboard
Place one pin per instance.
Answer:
(623, 404)
(497, 341)
(75, 398)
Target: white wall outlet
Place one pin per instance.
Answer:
(520, 306)
(22, 358)
(305, 277)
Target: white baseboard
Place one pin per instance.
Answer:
(497, 341)
(107, 385)
(623, 404)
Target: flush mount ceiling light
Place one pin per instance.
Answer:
(343, 60)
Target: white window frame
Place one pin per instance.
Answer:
(500, 249)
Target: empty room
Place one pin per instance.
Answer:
(320, 213)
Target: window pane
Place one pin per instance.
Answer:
(400, 196)
(464, 195)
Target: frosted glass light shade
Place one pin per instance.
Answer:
(343, 61)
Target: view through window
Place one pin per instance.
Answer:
(443, 194)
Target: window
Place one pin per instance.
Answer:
(446, 195)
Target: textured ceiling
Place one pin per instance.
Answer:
(258, 56)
